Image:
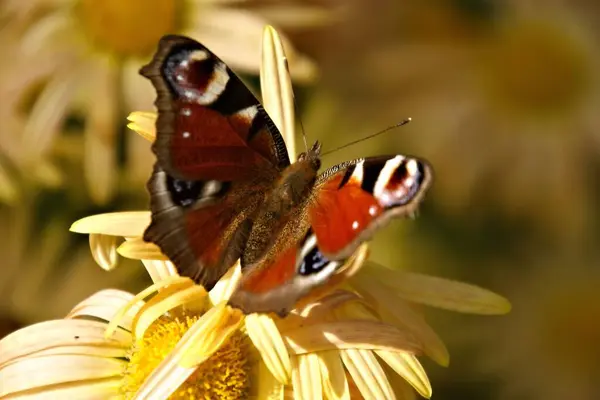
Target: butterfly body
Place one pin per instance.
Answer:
(223, 188)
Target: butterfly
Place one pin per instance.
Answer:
(223, 188)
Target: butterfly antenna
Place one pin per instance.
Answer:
(287, 67)
(389, 128)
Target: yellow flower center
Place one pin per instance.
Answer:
(128, 28)
(537, 68)
(225, 375)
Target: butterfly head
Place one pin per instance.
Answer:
(312, 157)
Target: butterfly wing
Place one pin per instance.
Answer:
(217, 152)
(349, 203)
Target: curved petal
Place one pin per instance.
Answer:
(266, 338)
(407, 366)
(276, 88)
(160, 270)
(104, 250)
(38, 372)
(125, 224)
(138, 249)
(226, 285)
(349, 334)
(60, 335)
(143, 123)
(440, 292)
(335, 383)
(306, 377)
(367, 374)
(104, 305)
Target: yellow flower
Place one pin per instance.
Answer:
(82, 57)
(357, 327)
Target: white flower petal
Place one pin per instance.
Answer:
(105, 305)
(407, 366)
(43, 336)
(104, 250)
(226, 285)
(125, 224)
(38, 372)
(266, 338)
(306, 377)
(276, 88)
(160, 270)
(367, 374)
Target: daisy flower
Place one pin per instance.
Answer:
(82, 58)
(351, 341)
(548, 347)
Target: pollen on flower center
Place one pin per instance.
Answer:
(222, 376)
(128, 28)
(537, 67)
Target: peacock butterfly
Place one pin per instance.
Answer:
(223, 188)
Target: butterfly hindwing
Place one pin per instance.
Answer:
(217, 153)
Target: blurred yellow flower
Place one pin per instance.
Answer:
(516, 124)
(83, 56)
(549, 345)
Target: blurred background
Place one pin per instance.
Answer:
(505, 103)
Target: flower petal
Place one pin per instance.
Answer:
(335, 384)
(440, 292)
(407, 366)
(138, 249)
(38, 372)
(104, 250)
(166, 300)
(104, 305)
(276, 88)
(176, 282)
(367, 374)
(125, 224)
(143, 123)
(89, 389)
(400, 314)
(306, 377)
(61, 336)
(349, 334)
(269, 388)
(266, 338)
(160, 270)
(226, 285)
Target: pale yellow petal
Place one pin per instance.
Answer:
(104, 305)
(335, 383)
(61, 335)
(125, 224)
(89, 389)
(397, 312)
(269, 388)
(367, 374)
(407, 366)
(226, 285)
(439, 292)
(160, 270)
(162, 303)
(104, 250)
(138, 249)
(266, 338)
(306, 377)
(37, 372)
(176, 282)
(276, 88)
(143, 123)
(198, 344)
(349, 334)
